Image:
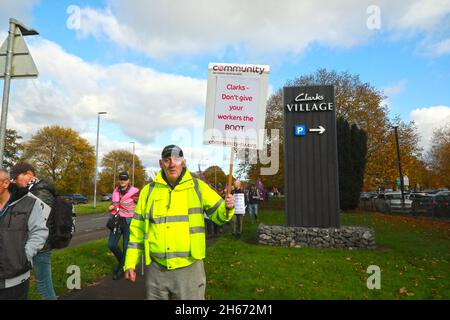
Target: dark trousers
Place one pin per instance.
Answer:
(19, 292)
(114, 238)
(210, 230)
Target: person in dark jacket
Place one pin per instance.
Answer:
(23, 175)
(22, 234)
(253, 200)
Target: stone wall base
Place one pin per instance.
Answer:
(299, 237)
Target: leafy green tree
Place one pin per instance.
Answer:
(357, 102)
(12, 148)
(118, 161)
(439, 155)
(352, 151)
(215, 175)
(63, 156)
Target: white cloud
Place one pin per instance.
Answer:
(424, 15)
(439, 49)
(158, 28)
(395, 89)
(18, 9)
(161, 28)
(428, 119)
(70, 92)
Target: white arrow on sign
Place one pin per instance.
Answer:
(320, 130)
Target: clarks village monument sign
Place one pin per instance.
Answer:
(312, 176)
(311, 161)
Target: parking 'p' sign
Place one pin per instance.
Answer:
(300, 130)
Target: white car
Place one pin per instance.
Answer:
(392, 202)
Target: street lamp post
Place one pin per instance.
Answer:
(399, 167)
(27, 64)
(132, 181)
(96, 159)
(114, 174)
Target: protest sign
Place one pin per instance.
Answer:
(239, 203)
(236, 105)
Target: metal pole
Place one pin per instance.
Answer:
(96, 160)
(6, 87)
(399, 168)
(114, 179)
(215, 179)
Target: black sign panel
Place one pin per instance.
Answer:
(310, 153)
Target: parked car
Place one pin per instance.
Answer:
(368, 195)
(106, 197)
(392, 202)
(415, 195)
(76, 198)
(423, 205)
(366, 200)
(442, 204)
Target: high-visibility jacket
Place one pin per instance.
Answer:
(169, 226)
(126, 203)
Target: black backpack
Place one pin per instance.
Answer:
(61, 223)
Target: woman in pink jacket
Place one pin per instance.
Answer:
(124, 199)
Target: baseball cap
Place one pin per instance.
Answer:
(19, 168)
(123, 176)
(171, 151)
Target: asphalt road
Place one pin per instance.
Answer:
(90, 227)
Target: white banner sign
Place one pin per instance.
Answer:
(405, 180)
(239, 203)
(236, 105)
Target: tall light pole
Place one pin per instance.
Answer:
(399, 167)
(132, 181)
(114, 174)
(96, 159)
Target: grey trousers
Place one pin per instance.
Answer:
(186, 283)
(238, 220)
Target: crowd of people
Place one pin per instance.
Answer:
(252, 197)
(166, 223)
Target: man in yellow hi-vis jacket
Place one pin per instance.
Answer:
(169, 229)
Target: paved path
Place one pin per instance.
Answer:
(90, 227)
(109, 289)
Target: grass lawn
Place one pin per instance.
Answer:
(88, 208)
(94, 259)
(413, 256)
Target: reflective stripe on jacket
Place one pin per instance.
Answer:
(125, 203)
(169, 224)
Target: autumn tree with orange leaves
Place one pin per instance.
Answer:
(359, 103)
(439, 156)
(62, 156)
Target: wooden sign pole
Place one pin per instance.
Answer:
(230, 175)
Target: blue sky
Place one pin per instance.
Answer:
(145, 62)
